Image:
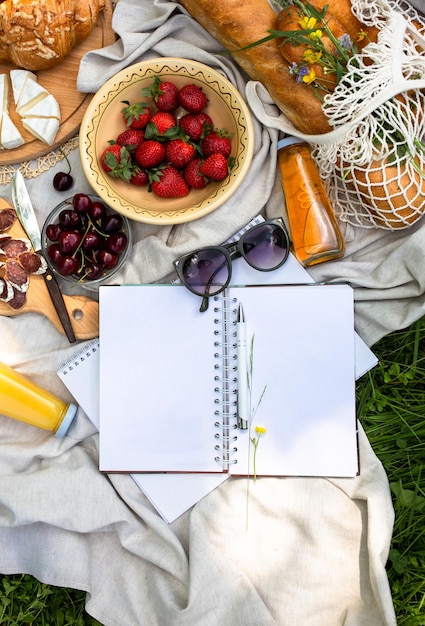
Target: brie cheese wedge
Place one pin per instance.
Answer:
(44, 128)
(10, 135)
(18, 79)
(46, 107)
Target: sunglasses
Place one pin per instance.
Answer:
(207, 271)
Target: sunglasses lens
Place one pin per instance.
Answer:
(265, 246)
(205, 272)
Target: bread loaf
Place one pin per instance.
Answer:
(38, 34)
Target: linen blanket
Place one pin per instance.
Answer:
(314, 552)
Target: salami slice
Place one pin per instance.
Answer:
(7, 218)
(12, 248)
(18, 300)
(6, 290)
(17, 275)
(32, 262)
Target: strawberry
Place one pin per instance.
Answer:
(116, 161)
(168, 182)
(215, 167)
(163, 93)
(179, 152)
(139, 177)
(136, 115)
(195, 125)
(150, 153)
(192, 98)
(205, 120)
(160, 123)
(192, 176)
(131, 138)
(217, 141)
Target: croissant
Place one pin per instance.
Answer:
(38, 34)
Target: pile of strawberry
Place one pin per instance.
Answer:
(169, 143)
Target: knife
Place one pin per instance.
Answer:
(28, 219)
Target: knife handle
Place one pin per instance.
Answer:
(59, 303)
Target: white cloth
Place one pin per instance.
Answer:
(315, 550)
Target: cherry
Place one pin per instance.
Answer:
(107, 259)
(69, 241)
(69, 219)
(112, 223)
(53, 231)
(92, 270)
(82, 203)
(54, 252)
(97, 211)
(62, 181)
(91, 241)
(67, 265)
(117, 242)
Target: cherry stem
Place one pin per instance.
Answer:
(67, 160)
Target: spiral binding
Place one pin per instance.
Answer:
(225, 380)
(77, 359)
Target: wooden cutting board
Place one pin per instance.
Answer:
(61, 81)
(83, 311)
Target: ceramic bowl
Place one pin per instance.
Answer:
(103, 121)
(81, 277)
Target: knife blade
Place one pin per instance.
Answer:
(27, 217)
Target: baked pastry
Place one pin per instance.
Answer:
(38, 34)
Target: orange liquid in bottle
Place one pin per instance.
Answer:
(25, 401)
(315, 233)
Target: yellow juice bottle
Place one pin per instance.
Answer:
(27, 402)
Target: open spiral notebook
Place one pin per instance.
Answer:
(168, 385)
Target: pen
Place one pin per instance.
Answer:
(242, 370)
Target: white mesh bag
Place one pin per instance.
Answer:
(373, 162)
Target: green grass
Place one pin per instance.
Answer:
(391, 408)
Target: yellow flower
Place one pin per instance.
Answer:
(307, 22)
(310, 56)
(361, 35)
(316, 35)
(260, 429)
(310, 77)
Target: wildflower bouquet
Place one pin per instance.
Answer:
(371, 85)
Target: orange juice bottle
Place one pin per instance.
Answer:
(315, 233)
(25, 401)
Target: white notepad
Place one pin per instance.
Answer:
(161, 403)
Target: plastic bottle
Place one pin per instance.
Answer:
(316, 236)
(25, 401)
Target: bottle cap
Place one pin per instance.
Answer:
(288, 141)
(67, 421)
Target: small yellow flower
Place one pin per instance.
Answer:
(310, 56)
(316, 35)
(361, 35)
(260, 429)
(307, 22)
(310, 77)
